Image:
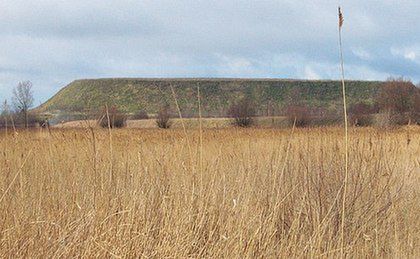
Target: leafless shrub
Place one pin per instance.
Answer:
(299, 115)
(242, 113)
(112, 118)
(163, 118)
(399, 98)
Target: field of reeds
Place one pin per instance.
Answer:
(232, 193)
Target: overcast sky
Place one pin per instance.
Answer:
(53, 42)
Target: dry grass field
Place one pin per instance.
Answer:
(226, 193)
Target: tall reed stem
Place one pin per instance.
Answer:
(346, 139)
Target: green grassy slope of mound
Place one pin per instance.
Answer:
(269, 95)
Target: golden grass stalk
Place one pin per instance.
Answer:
(346, 140)
(183, 125)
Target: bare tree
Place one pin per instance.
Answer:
(23, 98)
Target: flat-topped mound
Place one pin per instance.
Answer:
(217, 94)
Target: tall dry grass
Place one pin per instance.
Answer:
(261, 193)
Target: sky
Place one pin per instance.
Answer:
(53, 42)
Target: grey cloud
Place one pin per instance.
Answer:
(53, 42)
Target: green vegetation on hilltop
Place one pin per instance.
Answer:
(268, 95)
